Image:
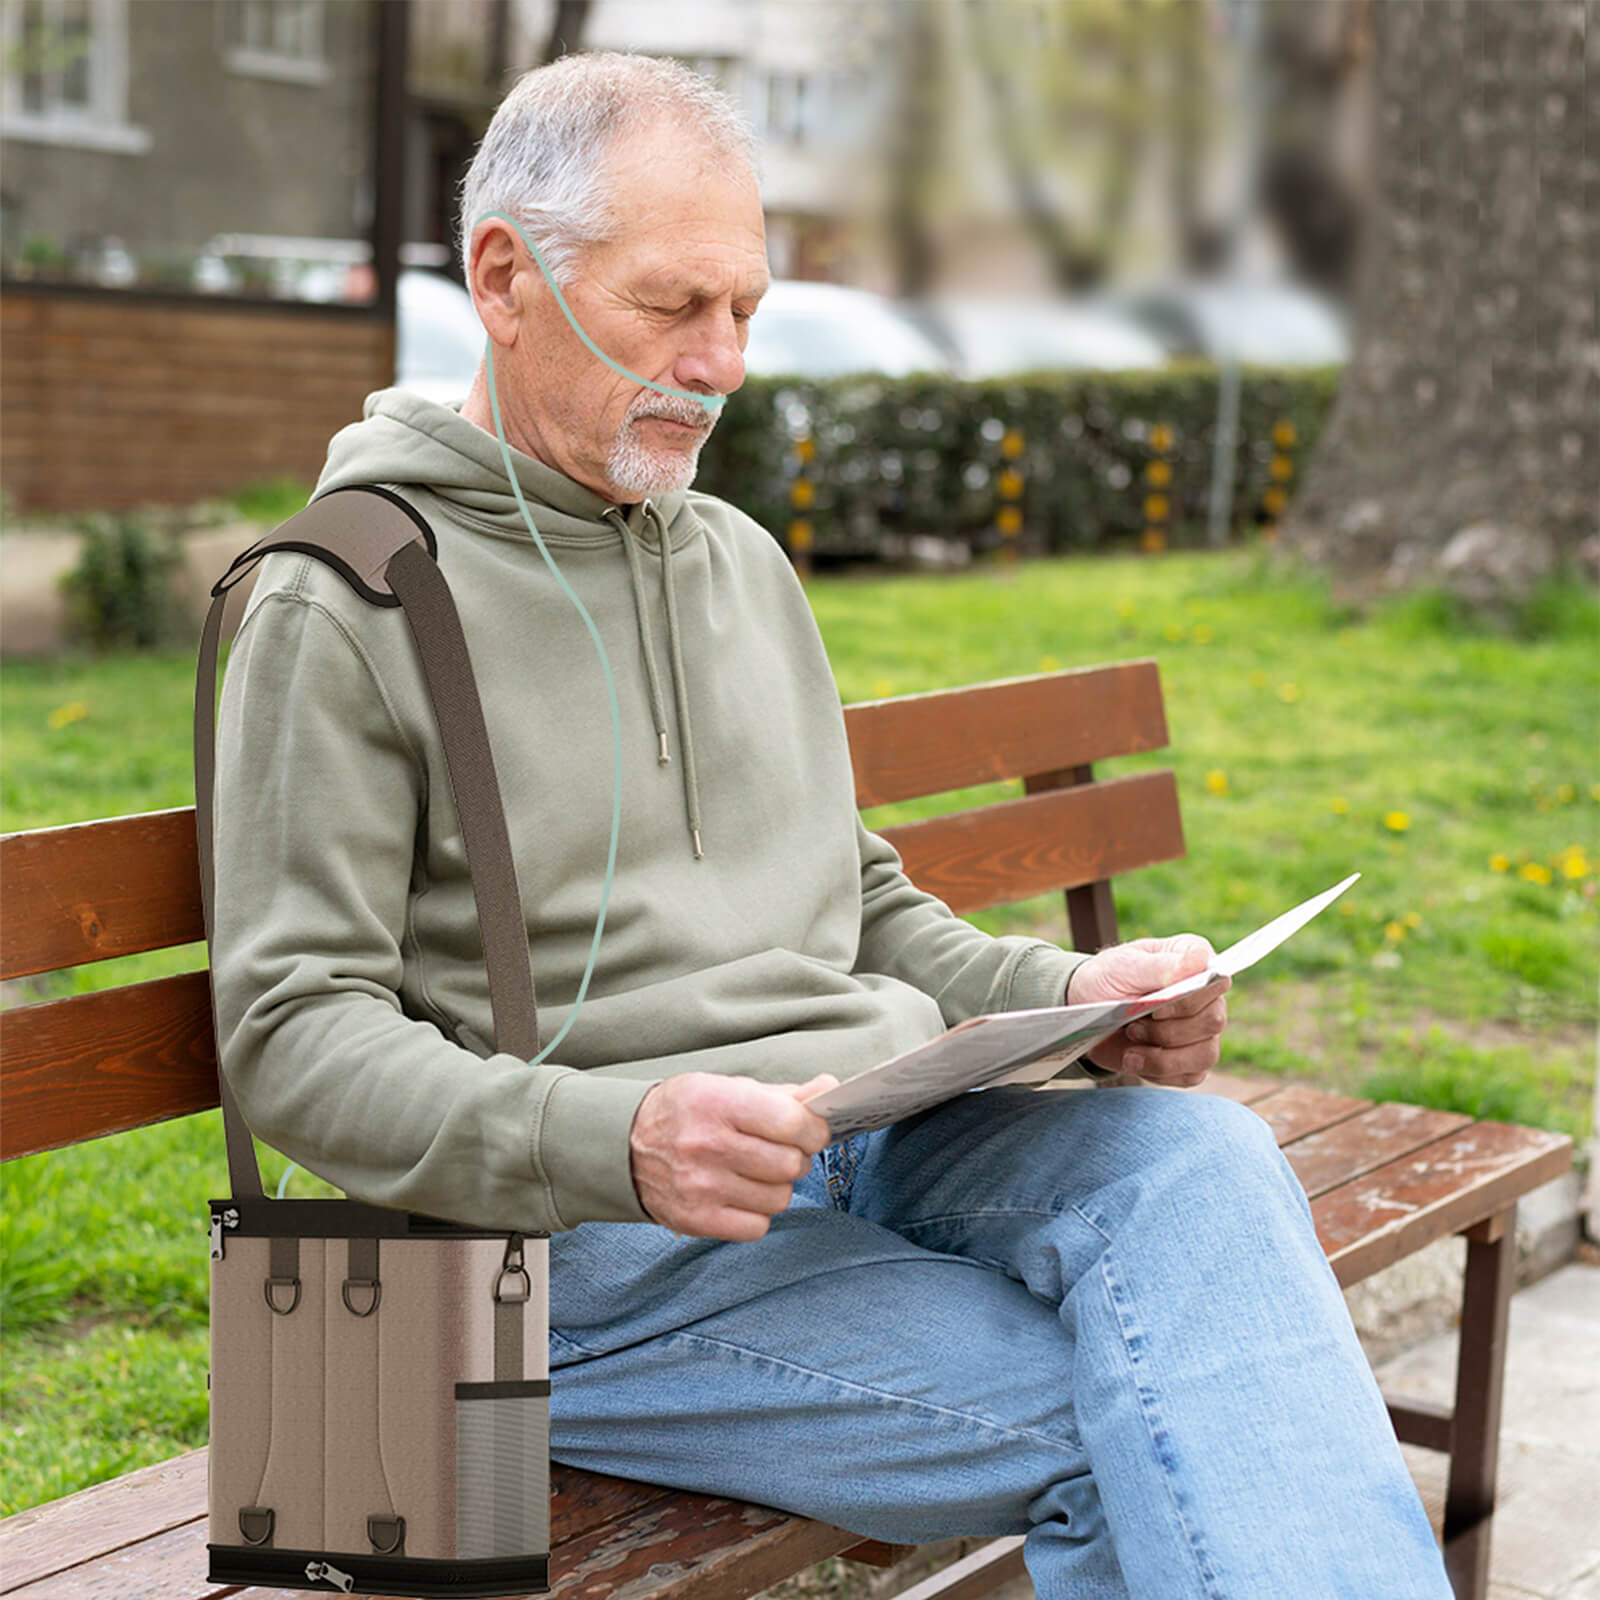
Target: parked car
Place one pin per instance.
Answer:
(825, 330)
(988, 338)
(1265, 323)
(438, 338)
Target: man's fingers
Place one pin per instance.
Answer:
(764, 1160)
(1190, 1004)
(772, 1112)
(1173, 1032)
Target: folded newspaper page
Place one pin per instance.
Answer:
(1027, 1046)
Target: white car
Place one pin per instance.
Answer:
(992, 338)
(1270, 324)
(825, 330)
(438, 338)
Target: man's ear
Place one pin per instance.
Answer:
(498, 280)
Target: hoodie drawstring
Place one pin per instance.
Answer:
(647, 648)
(680, 690)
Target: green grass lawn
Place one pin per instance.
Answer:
(1458, 771)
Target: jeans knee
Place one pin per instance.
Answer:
(1225, 1144)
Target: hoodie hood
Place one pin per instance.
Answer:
(405, 439)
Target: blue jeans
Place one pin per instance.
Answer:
(1100, 1318)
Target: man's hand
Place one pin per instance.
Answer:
(1176, 1044)
(718, 1157)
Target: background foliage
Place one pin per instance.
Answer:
(921, 456)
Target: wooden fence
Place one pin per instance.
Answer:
(111, 399)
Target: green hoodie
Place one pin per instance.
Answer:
(353, 1004)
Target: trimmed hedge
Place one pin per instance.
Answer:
(893, 459)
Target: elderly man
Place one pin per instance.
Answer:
(1101, 1318)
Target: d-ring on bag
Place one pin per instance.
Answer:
(380, 1392)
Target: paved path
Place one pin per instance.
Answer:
(1546, 1543)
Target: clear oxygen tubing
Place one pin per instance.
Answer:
(713, 403)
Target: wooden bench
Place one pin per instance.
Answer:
(1384, 1180)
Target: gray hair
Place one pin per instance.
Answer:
(543, 159)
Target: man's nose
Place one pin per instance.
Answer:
(714, 360)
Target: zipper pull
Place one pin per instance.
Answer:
(326, 1572)
(219, 1221)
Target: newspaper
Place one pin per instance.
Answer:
(1027, 1046)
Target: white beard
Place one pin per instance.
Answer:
(638, 468)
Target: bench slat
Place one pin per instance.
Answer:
(98, 889)
(926, 744)
(1446, 1186)
(98, 1520)
(693, 1547)
(95, 1064)
(1348, 1150)
(168, 1566)
(1297, 1110)
(1062, 838)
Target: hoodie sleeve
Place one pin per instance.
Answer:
(916, 938)
(320, 796)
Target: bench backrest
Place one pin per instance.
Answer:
(100, 1063)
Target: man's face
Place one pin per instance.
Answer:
(669, 298)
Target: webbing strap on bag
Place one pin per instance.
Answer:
(385, 551)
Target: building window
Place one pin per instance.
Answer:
(823, 109)
(66, 74)
(279, 39)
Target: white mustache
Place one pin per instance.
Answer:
(698, 418)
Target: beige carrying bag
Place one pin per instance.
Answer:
(380, 1392)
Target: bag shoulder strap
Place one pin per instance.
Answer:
(384, 549)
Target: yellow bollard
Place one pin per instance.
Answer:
(1009, 486)
(802, 496)
(1157, 507)
(1275, 497)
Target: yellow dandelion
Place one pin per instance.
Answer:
(1412, 919)
(1126, 609)
(1394, 932)
(1346, 909)
(1396, 821)
(1566, 794)
(1339, 806)
(1288, 693)
(1258, 679)
(1499, 863)
(1202, 634)
(1049, 664)
(1217, 781)
(1574, 862)
(72, 711)
(1173, 632)
(1535, 872)
(881, 688)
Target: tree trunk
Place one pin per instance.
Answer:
(1464, 449)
